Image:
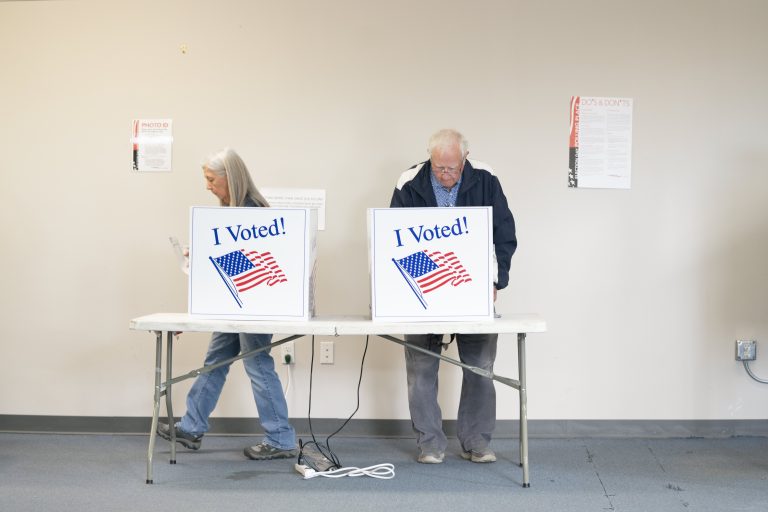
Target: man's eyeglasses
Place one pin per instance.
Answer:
(453, 171)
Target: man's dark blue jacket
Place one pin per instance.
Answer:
(479, 187)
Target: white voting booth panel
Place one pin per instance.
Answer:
(431, 264)
(252, 263)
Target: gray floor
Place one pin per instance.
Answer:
(106, 473)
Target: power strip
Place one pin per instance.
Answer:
(304, 471)
(312, 458)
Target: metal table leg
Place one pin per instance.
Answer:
(163, 388)
(156, 408)
(168, 401)
(516, 384)
(523, 409)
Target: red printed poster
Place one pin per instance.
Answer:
(152, 141)
(600, 144)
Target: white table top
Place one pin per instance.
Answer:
(337, 325)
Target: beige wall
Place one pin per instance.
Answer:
(644, 290)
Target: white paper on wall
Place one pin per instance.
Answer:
(152, 141)
(600, 148)
(297, 198)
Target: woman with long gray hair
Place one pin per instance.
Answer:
(228, 179)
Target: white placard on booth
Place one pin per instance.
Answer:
(431, 263)
(252, 263)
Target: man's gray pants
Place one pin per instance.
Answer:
(476, 418)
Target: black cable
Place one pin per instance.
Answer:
(309, 408)
(326, 451)
(357, 407)
(311, 372)
(335, 464)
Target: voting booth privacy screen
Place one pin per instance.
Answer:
(431, 264)
(252, 263)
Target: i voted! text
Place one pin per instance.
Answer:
(239, 233)
(422, 233)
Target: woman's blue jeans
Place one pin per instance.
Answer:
(265, 383)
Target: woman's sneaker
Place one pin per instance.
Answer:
(264, 451)
(184, 439)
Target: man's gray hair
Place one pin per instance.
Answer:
(228, 163)
(445, 138)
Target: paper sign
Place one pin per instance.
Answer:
(152, 141)
(431, 264)
(600, 149)
(297, 198)
(252, 263)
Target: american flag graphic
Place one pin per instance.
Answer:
(426, 271)
(242, 270)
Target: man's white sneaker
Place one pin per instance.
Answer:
(430, 458)
(481, 456)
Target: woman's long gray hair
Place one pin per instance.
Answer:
(228, 163)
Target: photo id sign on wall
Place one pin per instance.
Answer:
(252, 263)
(431, 264)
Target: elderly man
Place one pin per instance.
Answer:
(448, 178)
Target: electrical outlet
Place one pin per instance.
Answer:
(287, 353)
(746, 350)
(326, 352)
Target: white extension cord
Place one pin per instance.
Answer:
(383, 471)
